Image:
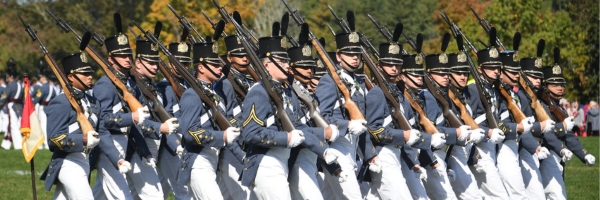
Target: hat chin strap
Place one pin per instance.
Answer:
(419, 86)
(81, 82)
(210, 70)
(297, 73)
(488, 78)
(119, 64)
(509, 78)
(350, 66)
(279, 67)
(148, 70)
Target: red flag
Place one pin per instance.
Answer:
(30, 126)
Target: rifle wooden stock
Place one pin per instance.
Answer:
(554, 109)
(446, 111)
(157, 109)
(512, 107)
(175, 84)
(427, 124)
(540, 112)
(464, 113)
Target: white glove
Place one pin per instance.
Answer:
(527, 123)
(232, 134)
(357, 127)
(451, 175)
(421, 173)
(342, 177)
(375, 166)
(297, 138)
(125, 167)
(570, 123)
(438, 171)
(335, 133)
(179, 150)
(415, 135)
(92, 139)
(543, 154)
(331, 155)
(549, 126)
(149, 162)
(566, 155)
(590, 159)
(479, 167)
(438, 140)
(477, 135)
(143, 114)
(497, 136)
(173, 124)
(465, 131)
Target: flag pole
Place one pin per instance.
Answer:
(32, 166)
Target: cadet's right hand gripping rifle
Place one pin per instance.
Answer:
(349, 104)
(487, 27)
(69, 91)
(484, 95)
(528, 87)
(206, 96)
(187, 24)
(132, 102)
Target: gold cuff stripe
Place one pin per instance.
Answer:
(57, 140)
(197, 135)
(375, 133)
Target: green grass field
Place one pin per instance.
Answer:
(15, 179)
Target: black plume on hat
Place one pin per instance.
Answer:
(273, 46)
(349, 42)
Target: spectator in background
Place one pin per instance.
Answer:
(578, 116)
(564, 103)
(593, 120)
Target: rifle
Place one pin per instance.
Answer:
(185, 23)
(349, 104)
(131, 101)
(527, 86)
(205, 96)
(212, 23)
(427, 124)
(487, 27)
(69, 91)
(484, 95)
(464, 113)
(247, 33)
(274, 92)
(97, 37)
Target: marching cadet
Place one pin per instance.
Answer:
(464, 184)
(12, 97)
(530, 164)
(171, 149)
(119, 120)
(266, 165)
(554, 87)
(143, 179)
(390, 183)
(232, 156)
(70, 166)
(510, 149)
(3, 110)
(331, 105)
(202, 139)
(303, 176)
(487, 174)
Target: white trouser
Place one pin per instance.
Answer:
(168, 166)
(551, 171)
(349, 189)
(230, 186)
(464, 185)
(438, 187)
(143, 180)
(43, 122)
(531, 175)
(203, 178)
(510, 171)
(417, 190)
(271, 178)
(390, 182)
(73, 178)
(489, 181)
(303, 177)
(15, 129)
(110, 183)
(3, 121)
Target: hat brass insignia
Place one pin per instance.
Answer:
(443, 58)
(461, 57)
(83, 57)
(353, 37)
(493, 53)
(306, 50)
(283, 42)
(320, 64)
(556, 69)
(238, 40)
(516, 56)
(394, 49)
(215, 48)
(182, 47)
(154, 47)
(419, 59)
(122, 39)
(538, 63)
